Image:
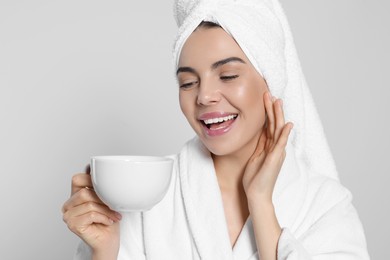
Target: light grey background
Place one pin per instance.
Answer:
(82, 78)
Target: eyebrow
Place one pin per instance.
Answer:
(213, 66)
(224, 61)
(185, 69)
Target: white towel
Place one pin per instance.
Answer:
(261, 29)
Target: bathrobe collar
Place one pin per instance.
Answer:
(204, 205)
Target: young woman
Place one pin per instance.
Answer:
(248, 186)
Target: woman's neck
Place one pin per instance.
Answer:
(230, 171)
(230, 168)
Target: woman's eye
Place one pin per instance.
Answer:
(228, 77)
(188, 85)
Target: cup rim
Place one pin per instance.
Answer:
(132, 158)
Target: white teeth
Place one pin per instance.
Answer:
(218, 119)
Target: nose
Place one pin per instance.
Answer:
(208, 94)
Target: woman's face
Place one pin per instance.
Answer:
(221, 93)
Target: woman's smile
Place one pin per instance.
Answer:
(217, 123)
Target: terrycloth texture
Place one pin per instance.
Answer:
(315, 212)
(261, 29)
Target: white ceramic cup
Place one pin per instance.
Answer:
(131, 183)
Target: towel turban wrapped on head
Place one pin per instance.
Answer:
(261, 29)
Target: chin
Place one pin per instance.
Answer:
(233, 143)
(220, 147)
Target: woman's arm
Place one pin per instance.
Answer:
(266, 227)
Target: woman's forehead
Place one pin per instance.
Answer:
(207, 45)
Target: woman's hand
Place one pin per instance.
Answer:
(89, 218)
(260, 176)
(264, 165)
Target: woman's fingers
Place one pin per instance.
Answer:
(270, 115)
(80, 181)
(260, 144)
(93, 208)
(89, 218)
(80, 224)
(93, 217)
(82, 196)
(275, 117)
(282, 141)
(279, 118)
(84, 208)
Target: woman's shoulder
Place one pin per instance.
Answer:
(325, 193)
(321, 185)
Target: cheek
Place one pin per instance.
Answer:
(250, 95)
(183, 104)
(186, 105)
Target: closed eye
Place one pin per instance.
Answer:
(188, 85)
(228, 77)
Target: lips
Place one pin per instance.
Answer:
(217, 123)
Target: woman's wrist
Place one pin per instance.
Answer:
(106, 254)
(256, 200)
(266, 226)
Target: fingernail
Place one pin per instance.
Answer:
(281, 103)
(111, 221)
(118, 215)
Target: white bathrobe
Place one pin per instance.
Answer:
(315, 212)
